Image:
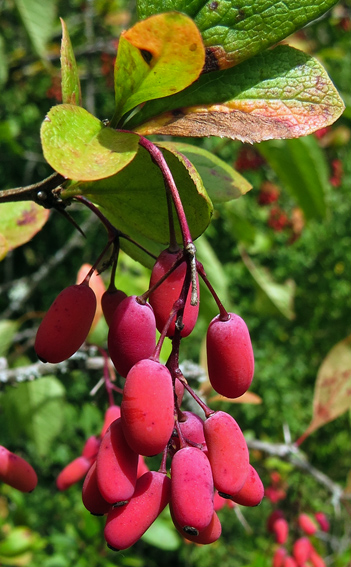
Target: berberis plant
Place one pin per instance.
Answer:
(193, 69)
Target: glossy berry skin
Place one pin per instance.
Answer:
(192, 489)
(73, 472)
(307, 524)
(116, 465)
(126, 524)
(252, 492)
(91, 447)
(91, 495)
(16, 472)
(147, 408)
(230, 357)
(132, 334)
(209, 535)
(113, 412)
(110, 300)
(164, 297)
(227, 452)
(66, 324)
(302, 550)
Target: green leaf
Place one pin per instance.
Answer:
(134, 200)
(221, 181)
(301, 166)
(282, 93)
(70, 84)
(34, 410)
(234, 31)
(3, 62)
(19, 222)
(80, 147)
(280, 295)
(38, 18)
(332, 394)
(8, 329)
(156, 58)
(162, 534)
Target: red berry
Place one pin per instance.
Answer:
(302, 550)
(227, 452)
(307, 524)
(230, 357)
(73, 472)
(289, 562)
(209, 535)
(322, 521)
(113, 412)
(110, 301)
(279, 557)
(91, 495)
(16, 472)
(281, 530)
(252, 492)
(272, 518)
(147, 408)
(192, 428)
(66, 324)
(126, 524)
(132, 334)
(116, 465)
(164, 297)
(316, 559)
(192, 490)
(91, 447)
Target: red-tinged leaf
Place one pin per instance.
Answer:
(282, 93)
(80, 147)
(156, 58)
(19, 222)
(70, 84)
(332, 394)
(247, 398)
(235, 31)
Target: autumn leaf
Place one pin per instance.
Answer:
(332, 393)
(70, 83)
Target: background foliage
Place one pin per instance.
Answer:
(284, 265)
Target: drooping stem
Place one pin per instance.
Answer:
(176, 307)
(223, 313)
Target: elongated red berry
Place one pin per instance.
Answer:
(91, 447)
(322, 521)
(132, 334)
(302, 550)
(113, 412)
(209, 535)
(275, 515)
(279, 557)
(289, 562)
(147, 408)
(73, 472)
(16, 472)
(110, 301)
(316, 559)
(192, 490)
(66, 324)
(116, 465)
(281, 530)
(164, 296)
(307, 524)
(192, 428)
(91, 495)
(252, 492)
(230, 357)
(227, 452)
(126, 524)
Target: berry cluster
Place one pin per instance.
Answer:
(302, 532)
(204, 462)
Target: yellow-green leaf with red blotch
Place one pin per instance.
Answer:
(80, 147)
(157, 57)
(19, 222)
(282, 93)
(70, 84)
(246, 398)
(332, 393)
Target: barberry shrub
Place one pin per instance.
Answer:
(175, 75)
